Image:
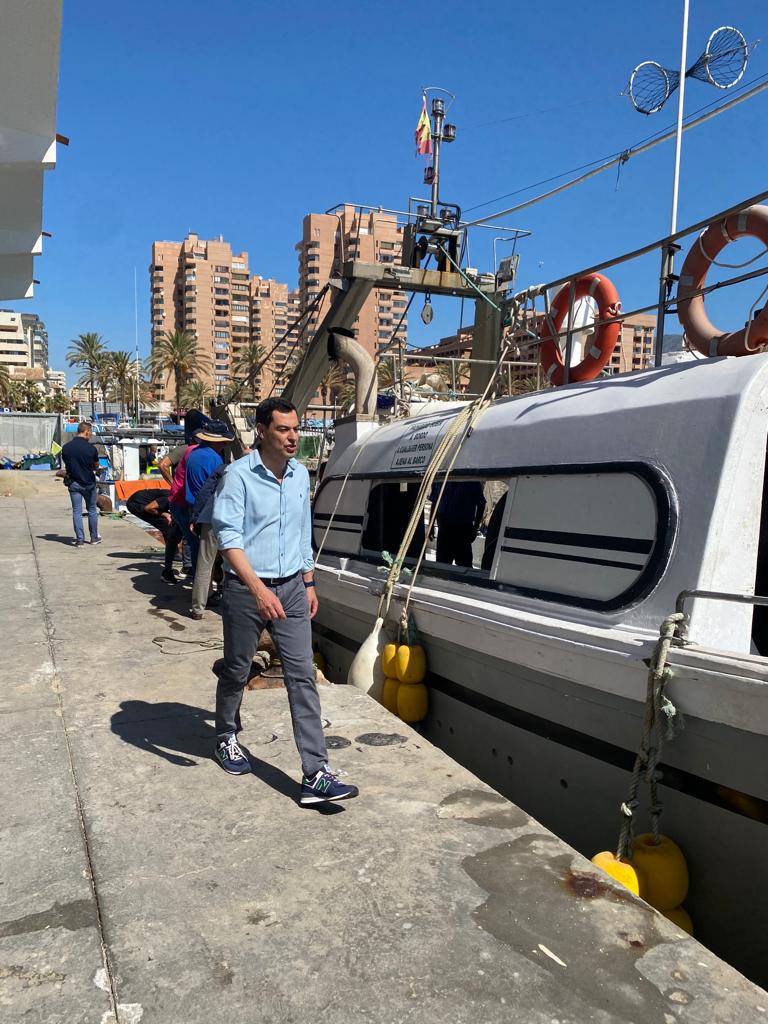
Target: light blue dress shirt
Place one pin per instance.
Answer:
(270, 520)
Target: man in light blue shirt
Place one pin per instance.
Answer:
(262, 521)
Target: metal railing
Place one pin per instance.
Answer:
(666, 302)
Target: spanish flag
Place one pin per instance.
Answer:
(423, 132)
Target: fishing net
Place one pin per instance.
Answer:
(722, 64)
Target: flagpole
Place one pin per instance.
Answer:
(136, 341)
(438, 113)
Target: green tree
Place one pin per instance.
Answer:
(196, 395)
(105, 377)
(248, 364)
(5, 384)
(57, 403)
(85, 352)
(122, 373)
(176, 353)
(336, 384)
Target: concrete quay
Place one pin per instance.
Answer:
(139, 884)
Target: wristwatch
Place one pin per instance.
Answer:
(309, 583)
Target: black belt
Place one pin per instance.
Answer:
(274, 581)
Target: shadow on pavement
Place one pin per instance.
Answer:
(180, 733)
(59, 538)
(146, 579)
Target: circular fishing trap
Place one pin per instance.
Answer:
(721, 64)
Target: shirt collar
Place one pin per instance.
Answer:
(258, 466)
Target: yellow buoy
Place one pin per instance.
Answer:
(412, 702)
(411, 663)
(389, 660)
(680, 917)
(662, 869)
(620, 870)
(389, 693)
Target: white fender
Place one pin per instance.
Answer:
(366, 672)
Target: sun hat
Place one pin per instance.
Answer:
(214, 430)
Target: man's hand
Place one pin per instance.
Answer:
(166, 516)
(269, 604)
(312, 601)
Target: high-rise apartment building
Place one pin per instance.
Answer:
(274, 308)
(37, 336)
(329, 240)
(201, 287)
(14, 343)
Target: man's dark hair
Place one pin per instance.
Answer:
(265, 409)
(84, 426)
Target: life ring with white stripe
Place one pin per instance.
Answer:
(604, 293)
(699, 330)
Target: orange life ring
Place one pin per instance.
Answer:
(599, 352)
(699, 331)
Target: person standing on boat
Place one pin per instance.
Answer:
(459, 516)
(81, 461)
(262, 521)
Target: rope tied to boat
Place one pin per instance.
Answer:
(659, 722)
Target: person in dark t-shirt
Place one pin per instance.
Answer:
(81, 460)
(151, 505)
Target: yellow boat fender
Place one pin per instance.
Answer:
(619, 870)
(389, 693)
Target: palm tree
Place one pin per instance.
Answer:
(122, 373)
(248, 364)
(176, 353)
(85, 352)
(57, 403)
(104, 376)
(5, 383)
(196, 394)
(336, 382)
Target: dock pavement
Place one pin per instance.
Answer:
(140, 884)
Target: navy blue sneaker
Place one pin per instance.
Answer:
(230, 756)
(324, 786)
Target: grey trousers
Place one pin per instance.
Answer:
(293, 639)
(206, 556)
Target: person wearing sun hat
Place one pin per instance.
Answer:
(204, 460)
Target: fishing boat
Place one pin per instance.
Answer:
(623, 538)
(611, 505)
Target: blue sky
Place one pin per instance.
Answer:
(237, 118)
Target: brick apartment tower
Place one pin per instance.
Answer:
(202, 287)
(331, 238)
(274, 307)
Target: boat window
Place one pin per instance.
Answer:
(338, 515)
(467, 526)
(579, 537)
(390, 507)
(592, 536)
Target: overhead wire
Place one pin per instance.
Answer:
(625, 154)
(305, 315)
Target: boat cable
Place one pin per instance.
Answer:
(622, 157)
(457, 434)
(305, 315)
(661, 716)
